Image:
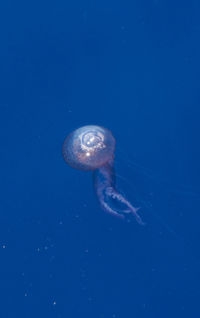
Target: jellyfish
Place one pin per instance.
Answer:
(92, 148)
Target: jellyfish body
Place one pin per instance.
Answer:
(92, 148)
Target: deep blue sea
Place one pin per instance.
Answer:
(134, 68)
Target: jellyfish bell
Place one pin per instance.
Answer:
(89, 147)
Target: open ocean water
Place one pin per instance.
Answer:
(134, 68)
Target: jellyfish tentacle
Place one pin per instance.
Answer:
(109, 198)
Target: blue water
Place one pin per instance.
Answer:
(130, 66)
